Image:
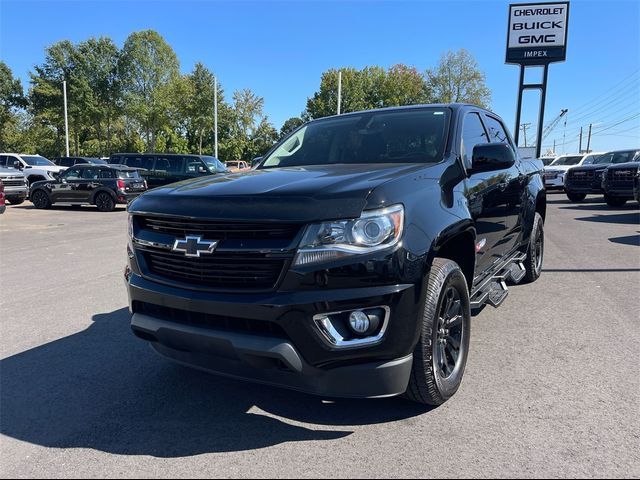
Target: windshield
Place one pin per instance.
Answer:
(617, 157)
(37, 161)
(590, 159)
(213, 164)
(394, 136)
(573, 160)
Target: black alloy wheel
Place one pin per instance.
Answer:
(104, 202)
(40, 199)
(449, 334)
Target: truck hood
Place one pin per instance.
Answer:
(45, 168)
(10, 172)
(585, 168)
(292, 194)
(557, 168)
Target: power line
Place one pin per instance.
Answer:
(579, 110)
(619, 123)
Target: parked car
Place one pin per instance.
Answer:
(237, 165)
(34, 167)
(546, 161)
(101, 185)
(619, 181)
(16, 187)
(3, 207)
(587, 179)
(71, 161)
(164, 168)
(347, 263)
(554, 174)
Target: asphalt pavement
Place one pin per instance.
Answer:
(552, 386)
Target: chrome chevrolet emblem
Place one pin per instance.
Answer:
(194, 246)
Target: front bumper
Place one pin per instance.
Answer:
(554, 183)
(297, 357)
(126, 198)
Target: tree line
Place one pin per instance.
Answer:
(135, 99)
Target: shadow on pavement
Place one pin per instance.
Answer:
(600, 207)
(104, 389)
(69, 208)
(633, 240)
(631, 218)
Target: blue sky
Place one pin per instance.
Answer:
(280, 49)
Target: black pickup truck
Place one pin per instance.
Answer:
(349, 261)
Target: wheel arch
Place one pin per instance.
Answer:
(92, 200)
(459, 244)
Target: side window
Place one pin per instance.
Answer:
(106, 173)
(73, 174)
(473, 133)
(170, 164)
(3, 161)
(193, 165)
(90, 173)
(66, 162)
(497, 132)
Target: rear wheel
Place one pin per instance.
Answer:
(40, 199)
(535, 251)
(441, 355)
(614, 201)
(104, 202)
(576, 197)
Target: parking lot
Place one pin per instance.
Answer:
(552, 387)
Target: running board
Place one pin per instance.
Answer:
(493, 291)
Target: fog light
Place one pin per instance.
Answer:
(359, 322)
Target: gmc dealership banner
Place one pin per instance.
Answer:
(537, 33)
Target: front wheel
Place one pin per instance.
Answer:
(535, 250)
(104, 202)
(614, 201)
(576, 197)
(441, 355)
(40, 199)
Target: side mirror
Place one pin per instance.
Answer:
(17, 165)
(256, 161)
(202, 169)
(489, 157)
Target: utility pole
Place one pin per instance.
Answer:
(339, 91)
(580, 148)
(66, 120)
(215, 116)
(589, 138)
(554, 146)
(524, 127)
(564, 135)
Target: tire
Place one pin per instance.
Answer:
(576, 197)
(104, 202)
(40, 199)
(446, 305)
(15, 200)
(535, 251)
(614, 201)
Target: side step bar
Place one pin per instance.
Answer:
(494, 290)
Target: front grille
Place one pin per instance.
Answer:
(215, 322)
(581, 178)
(214, 230)
(218, 271)
(13, 183)
(621, 178)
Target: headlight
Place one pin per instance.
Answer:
(374, 230)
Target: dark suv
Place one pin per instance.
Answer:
(348, 262)
(587, 179)
(618, 181)
(164, 168)
(101, 185)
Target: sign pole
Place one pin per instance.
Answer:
(339, 91)
(215, 116)
(66, 120)
(543, 99)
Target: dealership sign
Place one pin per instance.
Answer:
(537, 33)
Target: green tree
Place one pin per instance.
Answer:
(458, 78)
(289, 126)
(149, 72)
(11, 100)
(263, 138)
(371, 87)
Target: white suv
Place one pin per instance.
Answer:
(554, 173)
(34, 167)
